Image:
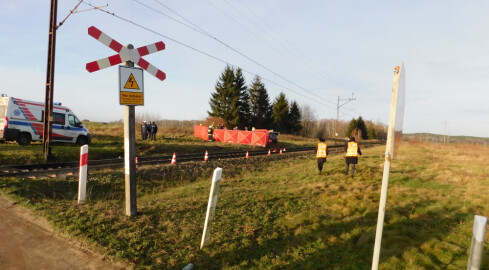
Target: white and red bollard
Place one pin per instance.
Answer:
(174, 159)
(206, 156)
(136, 163)
(82, 176)
(211, 207)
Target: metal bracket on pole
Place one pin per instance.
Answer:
(338, 106)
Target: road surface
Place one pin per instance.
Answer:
(28, 242)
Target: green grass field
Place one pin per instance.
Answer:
(276, 213)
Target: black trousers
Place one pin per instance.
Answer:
(320, 163)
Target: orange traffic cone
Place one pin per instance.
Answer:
(136, 163)
(280, 151)
(206, 156)
(174, 159)
(247, 155)
(284, 149)
(269, 153)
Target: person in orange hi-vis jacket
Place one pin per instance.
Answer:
(321, 153)
(352, 150)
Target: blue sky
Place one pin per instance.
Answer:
(313, 51)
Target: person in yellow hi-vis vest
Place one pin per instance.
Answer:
(321, 153)
(352, 150)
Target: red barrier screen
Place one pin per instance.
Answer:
(201, 132)
(257, 137)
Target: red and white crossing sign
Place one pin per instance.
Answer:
(124, 54)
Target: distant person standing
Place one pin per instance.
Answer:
(144, 130)
(210, 130)
(321, 153)
(352, 150)
(148, 130)
(154, 129)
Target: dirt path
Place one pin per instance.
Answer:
(28, 242)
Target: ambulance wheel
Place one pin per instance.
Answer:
(82, 140)
(24, 139)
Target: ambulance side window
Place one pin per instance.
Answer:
(74, 122)
(58, 118)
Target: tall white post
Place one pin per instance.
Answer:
(396, 115)
(477, 244)
(82, 175)
(211, 207)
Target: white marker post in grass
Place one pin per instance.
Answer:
(477, 244)
(211, 207)
(82, 176)
(394, 133)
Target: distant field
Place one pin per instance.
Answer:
(279, 214)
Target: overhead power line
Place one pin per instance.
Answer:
(205, 53)
(291, 48)
(235, 50)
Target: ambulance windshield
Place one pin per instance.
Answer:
(74, 121)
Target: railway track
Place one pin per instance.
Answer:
(70, 169)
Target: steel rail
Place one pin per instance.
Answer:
(64, 169)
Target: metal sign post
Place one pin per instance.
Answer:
(131, 93)
(395, 126)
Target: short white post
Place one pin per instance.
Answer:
(211, 207)
(477, 244)
(82, 176)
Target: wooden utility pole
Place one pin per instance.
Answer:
(48, 101)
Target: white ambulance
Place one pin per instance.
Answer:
(22, 121)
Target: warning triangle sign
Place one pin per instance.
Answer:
(131, 83)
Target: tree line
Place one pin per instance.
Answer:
(239, 105)
(234, 104)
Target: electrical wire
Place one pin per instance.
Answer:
(308, 68)
(205, 53)
(292, 49)
(200, 30)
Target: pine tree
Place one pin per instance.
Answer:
(223, 101)
(294, 121)
(357, 128)
(362, 127)
(280, 113)
(242, 104)
(259, 103)
(352, 127)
